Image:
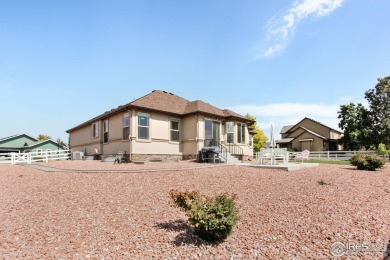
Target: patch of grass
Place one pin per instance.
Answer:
(329, 162)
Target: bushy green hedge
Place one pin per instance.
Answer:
(212, 217)
(367, 162)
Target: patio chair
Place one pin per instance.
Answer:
(303, 155)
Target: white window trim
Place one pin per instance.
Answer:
(106, 130)
(170, 129)
(97, 129)
(240, 125)
(148, 127)
(250, 140)
(123, 125)
(232, 132)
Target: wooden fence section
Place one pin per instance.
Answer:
(29, 158)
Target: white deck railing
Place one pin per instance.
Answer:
(28, 158)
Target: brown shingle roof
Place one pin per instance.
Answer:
(286, 128)
(162, 101)
(170, 103)
(200, 106)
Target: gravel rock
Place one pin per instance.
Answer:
(96, 215)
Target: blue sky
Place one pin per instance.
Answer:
(64, 62)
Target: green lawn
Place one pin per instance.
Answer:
(329, 162)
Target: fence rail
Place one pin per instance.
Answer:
(330, 155)
(28, 158)
(335, 155)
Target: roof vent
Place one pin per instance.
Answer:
(165, 91)
(170, 93)
(153, 91)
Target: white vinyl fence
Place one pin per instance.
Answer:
(335, 155)
(29, 158)
(328, 155)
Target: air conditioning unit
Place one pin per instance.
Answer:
(77, 155)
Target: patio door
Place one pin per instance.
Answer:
(212, 130)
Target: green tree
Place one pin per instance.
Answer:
(367, 127)
(42, 137)
(379, 113)
(382, 150)
(59, 141)
(259, 138)
(351, 121)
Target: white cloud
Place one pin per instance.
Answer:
(280, 114)
(280, 29)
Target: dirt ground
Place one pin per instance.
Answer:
(107, 215)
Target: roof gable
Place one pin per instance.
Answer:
(314, 121)
(17, 141)
(285, 129)
(44, 142)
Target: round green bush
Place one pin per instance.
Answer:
(213, 218)
(367, 162)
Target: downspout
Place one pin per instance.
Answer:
(130, 126)
(197, 136)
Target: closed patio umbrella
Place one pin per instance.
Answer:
(272, 141)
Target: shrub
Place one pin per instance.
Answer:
(213, 218)
(359, 160)
(374, 162)
(367, 162)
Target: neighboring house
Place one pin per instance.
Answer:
(24, 143)
(161, 126)
(311, 135)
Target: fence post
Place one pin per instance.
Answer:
(328, 155)
(46, 157)
(29, 158)
(12, 158)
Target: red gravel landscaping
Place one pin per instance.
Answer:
(283, 215)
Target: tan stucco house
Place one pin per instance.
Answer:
(161, 126)
(311, 135)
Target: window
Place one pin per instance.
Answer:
(105, 131)
(48, 151)
(175, 130)
(95, 129)
(250, 140)
(241, 133)
(230, 132)
(126, 126)
(143, 126)
(39, 152)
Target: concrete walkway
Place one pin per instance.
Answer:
(285, 167)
